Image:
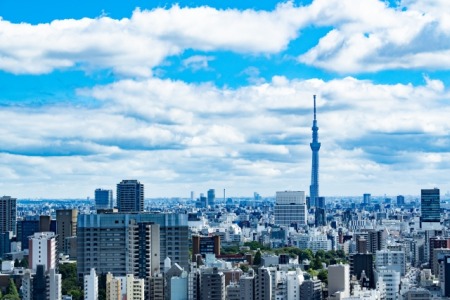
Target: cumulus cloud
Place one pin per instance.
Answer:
(365, 36)
(175, 136)
(133, 46)
(369, 36)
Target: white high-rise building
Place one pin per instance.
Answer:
(290, 207)
(391, 282)
(42, 250)
(393, 260)
(134, 288)
(91, 286)
(293, 281)
(338, 281)
(55, 282)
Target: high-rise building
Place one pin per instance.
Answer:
(315, 147)
(212, 284)
(31, 224)
(400, 200)
(436, 242)
(113, 288)
(263, 284)
(42, 250)
(311, 290)
(130, 196)
(319, 217)
(430, 208)
(66, 226)
(121, 243)
(91, 285)
(391, 282)
(247, 286)
(103, 199)
(363, 262)
(366, 199)
(392, 260)
(135, 288)
(41, 284)
(339, 280)
(211, 197)
(8, 210)
(290, 208)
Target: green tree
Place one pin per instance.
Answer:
(323, 276)
(16, 263)
(254, 245)
(316, 264)
(244, 268)
(24, 263)
(12, 294)
(257, 259)
(76, 294)
(305, 254)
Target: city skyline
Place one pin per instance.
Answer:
(200, 95)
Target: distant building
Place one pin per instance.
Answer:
(400, 200)
(366, 199)
(315, 147)
(211, 197)
(8, 214)
(130, 196)
(66, 226)
(290, 208)
(430, 207)
(103, 199)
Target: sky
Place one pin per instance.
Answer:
(191, 95)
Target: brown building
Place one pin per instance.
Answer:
(66, 226)
(437, 242)
(205, 244)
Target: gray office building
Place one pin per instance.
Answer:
(311, 290)
(263, 284)
(8, 214)
(130, 196)
(212, 285)
(128, 243)
(103, 199)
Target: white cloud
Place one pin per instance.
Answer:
(133, 46)
(368, 36)
(170, 134)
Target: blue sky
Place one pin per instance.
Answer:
(218, 94)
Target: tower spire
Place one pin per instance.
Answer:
(314, 107)
(315, 147)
